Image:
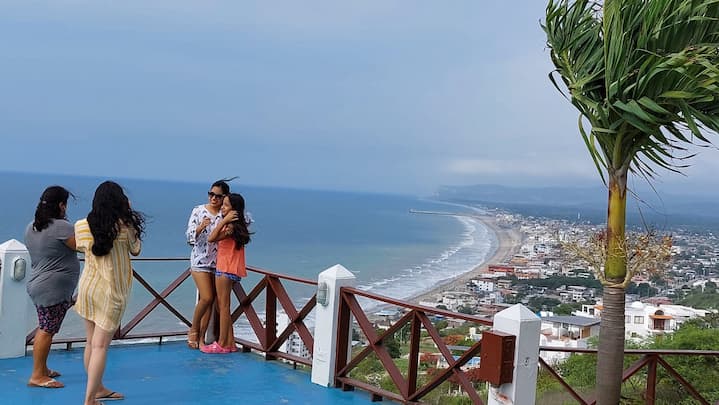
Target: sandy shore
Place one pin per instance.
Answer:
(509, 240)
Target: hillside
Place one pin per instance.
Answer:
(660, 211)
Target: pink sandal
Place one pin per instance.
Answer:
(214, 348)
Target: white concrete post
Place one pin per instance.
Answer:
(519, 321)
(15, 305)
(325, 346)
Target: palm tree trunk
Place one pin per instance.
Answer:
(610, 354)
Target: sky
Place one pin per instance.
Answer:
(376, 95)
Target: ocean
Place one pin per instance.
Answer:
(297, 232)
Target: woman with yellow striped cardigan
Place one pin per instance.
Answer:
(108, 236)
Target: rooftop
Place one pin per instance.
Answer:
(572, 320)
(169, 373)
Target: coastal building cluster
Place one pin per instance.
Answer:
(567, 296)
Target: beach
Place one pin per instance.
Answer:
(509, 241)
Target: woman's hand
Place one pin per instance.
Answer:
(202, 226)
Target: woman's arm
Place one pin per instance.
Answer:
(70, 242)
(135, 242)
(220, 232)
(224, 228)
(191, 232)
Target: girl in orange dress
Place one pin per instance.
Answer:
(231, 235)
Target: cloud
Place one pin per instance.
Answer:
(371, 95)
(530, 167)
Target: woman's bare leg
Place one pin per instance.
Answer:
(40, 351)
(205, 283)
(94, 359)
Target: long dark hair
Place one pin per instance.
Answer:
(109, 207)
(240, 233)
(48, 208)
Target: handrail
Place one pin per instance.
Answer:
(270, 340)
(649, 360)
(281, 276)
(416, 318)
(669, 352)
(417, 307)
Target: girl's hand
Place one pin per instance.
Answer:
(230, 217)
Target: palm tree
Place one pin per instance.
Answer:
(644, 75)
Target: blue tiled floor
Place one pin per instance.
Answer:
(172, 374)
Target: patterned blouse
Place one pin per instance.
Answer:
(204, 253)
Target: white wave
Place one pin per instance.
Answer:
(476, 245)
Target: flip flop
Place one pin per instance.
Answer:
(51, 383)
(110, 396)
(53, 373)
(192, 341)
(214, 348)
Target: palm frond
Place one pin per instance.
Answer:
(643, 73)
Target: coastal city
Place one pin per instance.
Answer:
(565, 293)
(538, 272)
(534, 265)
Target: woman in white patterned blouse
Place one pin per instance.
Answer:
(202, 221)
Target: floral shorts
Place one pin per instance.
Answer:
(50, 318)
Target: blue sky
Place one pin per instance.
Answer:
(388, 96)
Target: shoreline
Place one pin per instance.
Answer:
(509, 240)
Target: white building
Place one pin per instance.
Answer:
(494, 297)
(566, 332)
(455, 299)
(294, 344)
(483, 285)
(643, 320)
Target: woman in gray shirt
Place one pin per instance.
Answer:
(50, 239)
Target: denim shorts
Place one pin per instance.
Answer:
(233, 277)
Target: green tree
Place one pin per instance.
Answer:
(565, 309)
(441, 325)
(541, 303)
(658, 280)
(392, 346)
(643, 74)
(700, 299)
(642, 289)
(710, 320)
(465, 310)
(701, 371)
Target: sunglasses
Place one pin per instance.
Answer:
(213, 195)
